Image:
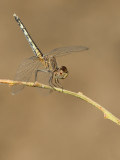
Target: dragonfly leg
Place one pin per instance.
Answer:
(58, 83)
(51, 82)
(36, 73)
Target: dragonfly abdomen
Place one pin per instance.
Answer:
(34, 47)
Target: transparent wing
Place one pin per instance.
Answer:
(66, 50)
(24, 72)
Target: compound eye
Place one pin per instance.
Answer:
(64, 69)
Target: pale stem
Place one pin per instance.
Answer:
(107, 114)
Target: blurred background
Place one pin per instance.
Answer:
(58, 126)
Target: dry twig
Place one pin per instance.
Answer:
(107, 114)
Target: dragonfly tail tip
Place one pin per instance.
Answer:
(14, 15)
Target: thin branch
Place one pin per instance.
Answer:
(107, 114)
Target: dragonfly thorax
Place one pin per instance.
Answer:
(61, 73)
(50, 63)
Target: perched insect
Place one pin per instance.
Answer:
(36, 63)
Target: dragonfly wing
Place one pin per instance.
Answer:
(66, 50)
(24, 72)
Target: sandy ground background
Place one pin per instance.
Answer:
(57, 126)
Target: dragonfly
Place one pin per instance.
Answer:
(39, 61)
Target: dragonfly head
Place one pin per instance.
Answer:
(61, 73)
